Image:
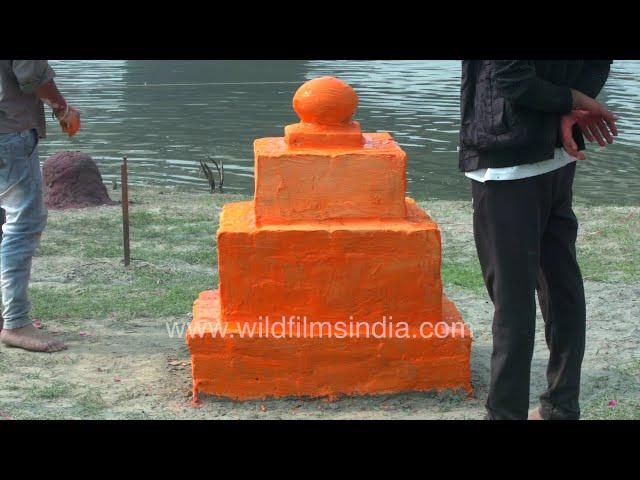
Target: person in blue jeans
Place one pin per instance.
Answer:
(25, 85)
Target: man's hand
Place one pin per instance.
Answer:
(600, 120)
(596, 122)
(69, 120)
(566, 133)
(68, 116)
(592, 126)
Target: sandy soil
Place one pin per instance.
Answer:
(117, 368)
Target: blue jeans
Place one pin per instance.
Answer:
(21, 197)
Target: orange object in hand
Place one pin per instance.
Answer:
(70, 122)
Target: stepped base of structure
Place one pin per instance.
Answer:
(240, 361)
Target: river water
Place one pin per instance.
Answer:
(166, 115)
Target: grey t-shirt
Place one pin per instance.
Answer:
(20, 107)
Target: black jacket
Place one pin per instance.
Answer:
(511, 109)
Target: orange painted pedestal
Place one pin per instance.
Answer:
(330, 279)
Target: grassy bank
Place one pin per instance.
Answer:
(122, 364)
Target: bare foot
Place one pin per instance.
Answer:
(535, 414)
(30, 338)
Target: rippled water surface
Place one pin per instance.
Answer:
(166, 115)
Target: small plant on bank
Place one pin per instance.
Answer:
(205, 170)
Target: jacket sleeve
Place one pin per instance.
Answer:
(32, 74)
(516, 80)
(593, 77)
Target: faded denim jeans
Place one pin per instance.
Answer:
(21, 197)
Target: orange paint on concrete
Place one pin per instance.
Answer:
(306, 135)
(317, 366)
(325, 106)
(329, 237)
(329, 271)
(325, 101)
(298, 185)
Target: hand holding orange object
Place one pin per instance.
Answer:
(70, 121)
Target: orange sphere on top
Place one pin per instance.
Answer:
(325, 101)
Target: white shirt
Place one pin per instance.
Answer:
(559, 160)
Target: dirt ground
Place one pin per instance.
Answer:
(122, 364)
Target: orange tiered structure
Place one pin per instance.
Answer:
(329, 238)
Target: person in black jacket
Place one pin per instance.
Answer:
(522, 128)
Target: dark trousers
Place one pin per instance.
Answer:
(525, 233)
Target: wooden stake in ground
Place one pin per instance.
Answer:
(124, 180)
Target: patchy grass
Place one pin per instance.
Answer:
(145, 294)
(617, 402)
(172, 249)
(90, 403)
(466, 275)
(56, 389)
(124, 367)
(608, 245)
(174, 254)
(599, 409)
